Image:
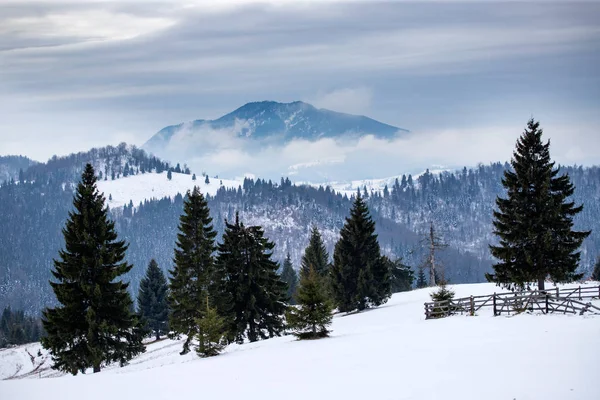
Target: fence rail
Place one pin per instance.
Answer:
(566, 300)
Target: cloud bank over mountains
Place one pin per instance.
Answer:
(463, 77)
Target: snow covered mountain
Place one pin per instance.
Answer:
(273, 121)
(390, 352)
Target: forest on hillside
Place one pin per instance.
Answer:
(459, 204)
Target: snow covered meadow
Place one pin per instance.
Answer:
(137, 188)
(390, 352)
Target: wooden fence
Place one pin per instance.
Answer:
(567, 300)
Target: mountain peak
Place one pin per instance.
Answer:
(279, 122)
(257, 108)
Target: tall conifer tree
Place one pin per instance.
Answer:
(253, 296)
(359, 277)
(192, 273)
(93, 325)
(535, 221)
(152, 300)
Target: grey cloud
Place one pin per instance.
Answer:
(427, 66)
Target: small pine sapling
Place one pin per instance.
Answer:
(444, 296)
(313, 315)
(211, 327)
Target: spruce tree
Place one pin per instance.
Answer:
(596, 273)
(192, 273)
(535, 221)
(211, 328)
(152, 300)
(252, 294)
(359, 277)
(316, 254)
(289, 276)
(421, 279)
(169, 175)
(313, 315)
(442, 294)
(93, 324)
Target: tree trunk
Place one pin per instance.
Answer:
(96, 368)
(541, 282)
(157, 335)
(186, 346)
(431, 257)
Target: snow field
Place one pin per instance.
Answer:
(138, 188)
(390, 352)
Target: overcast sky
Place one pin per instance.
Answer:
(463, 77)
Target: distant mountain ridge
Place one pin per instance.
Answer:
(284, 121)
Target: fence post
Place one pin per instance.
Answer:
(426, 312)
(494, 302)
(472, 307)
(547, 295)
(557, 293)
(580, 292)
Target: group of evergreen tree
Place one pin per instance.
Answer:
(233, 295)
(460, 203)
(359, 276)
(18, 328)
(230, 291)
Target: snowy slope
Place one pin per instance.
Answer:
(387, 353)
(138, 188)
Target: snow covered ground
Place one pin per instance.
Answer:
(390, 352)
(138, 188)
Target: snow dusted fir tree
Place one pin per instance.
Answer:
(152, 300)
(313, 315)
(194, 266)
(93, 325)
(360, 278)
(290, 277)
(535, 221)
